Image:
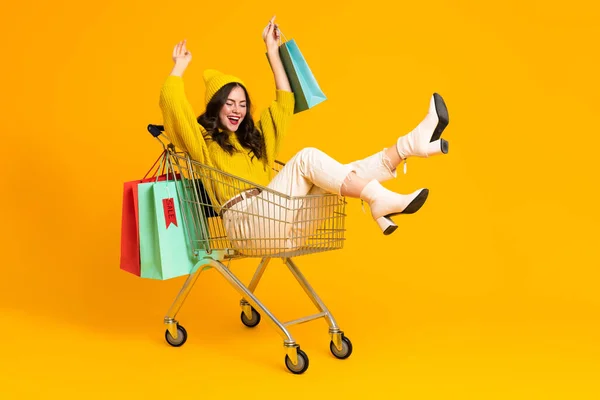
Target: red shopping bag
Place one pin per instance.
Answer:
(130, 237)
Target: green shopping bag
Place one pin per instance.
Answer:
(306, 89)
(165, 251)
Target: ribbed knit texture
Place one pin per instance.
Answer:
(215, 80)
(184, 131)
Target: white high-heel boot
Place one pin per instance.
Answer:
(385, 204)
(424, 140)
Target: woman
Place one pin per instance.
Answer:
(225, 137)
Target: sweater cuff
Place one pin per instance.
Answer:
(174, 80)
(285, 98)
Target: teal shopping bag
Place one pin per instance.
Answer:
(306, 89)
(165, 251)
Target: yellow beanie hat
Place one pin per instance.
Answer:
(215, 80)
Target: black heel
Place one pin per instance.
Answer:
(445, 146)
(443, 118)
(386, 225)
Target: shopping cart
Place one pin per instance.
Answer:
(278, 226)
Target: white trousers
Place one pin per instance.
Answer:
(271, 222)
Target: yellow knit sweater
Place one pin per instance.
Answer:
(183, 130)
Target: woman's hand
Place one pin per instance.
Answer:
(271, 36)
(181, 57)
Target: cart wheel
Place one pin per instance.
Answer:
(302, 365)
(251, 323)
(345, 351)
(181, 337)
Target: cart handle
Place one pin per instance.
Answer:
(156, 130)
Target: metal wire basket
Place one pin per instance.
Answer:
(270, 224)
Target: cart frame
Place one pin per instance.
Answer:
(211, 249)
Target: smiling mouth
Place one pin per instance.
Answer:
(234, 120)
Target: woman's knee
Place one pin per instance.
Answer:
(309, 152)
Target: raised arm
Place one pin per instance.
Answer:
(274, 121)
(181, 57)
(271, 36)
(181, 126)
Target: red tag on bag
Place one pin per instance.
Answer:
(169, 209)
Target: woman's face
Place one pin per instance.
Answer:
(234, 110)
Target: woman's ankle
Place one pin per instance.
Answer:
(353, 185)
(392, 157)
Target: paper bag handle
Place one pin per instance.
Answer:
(282, 35)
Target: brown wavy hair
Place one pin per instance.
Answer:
(249, 137)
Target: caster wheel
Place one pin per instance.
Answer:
(302, 365)
(181, 337)
(345, 351)
(251, 323)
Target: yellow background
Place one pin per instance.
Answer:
(490, 291)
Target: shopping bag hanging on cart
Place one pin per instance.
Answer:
(165, 250)
(307, 92)
(130, 242)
